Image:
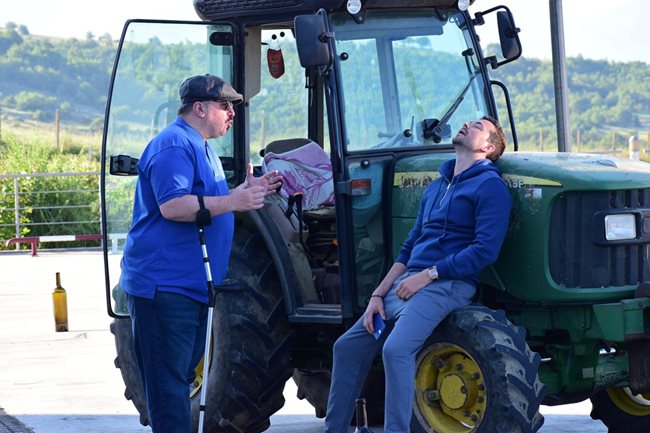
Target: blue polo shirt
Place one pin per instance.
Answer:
(166, 255)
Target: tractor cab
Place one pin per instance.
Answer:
(356, 107)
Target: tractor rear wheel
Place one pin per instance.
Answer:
(128, 365)
(621, 411)
(250, 358)
(315, 388)
(476, 374)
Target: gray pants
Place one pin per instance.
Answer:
(354, 352)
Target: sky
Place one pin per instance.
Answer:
(595, 29)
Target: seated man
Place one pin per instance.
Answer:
(460, 227)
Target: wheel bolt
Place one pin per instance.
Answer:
(466, 412)
(481, 387)
(476, 376)
(479, 399)
(459, 367)
(463, 389)
(432, 395)
(474, 417)
(439, 363)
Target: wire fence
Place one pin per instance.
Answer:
(619, 143)
(49, 204)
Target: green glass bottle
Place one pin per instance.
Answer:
(60, 301)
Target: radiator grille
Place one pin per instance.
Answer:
(576, 261)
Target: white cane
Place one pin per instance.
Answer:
(203, 219)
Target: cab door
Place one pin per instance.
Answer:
(153, 59)
(402, 81)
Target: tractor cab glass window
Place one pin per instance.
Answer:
(403, 74)
(153, 62)
(154, 59)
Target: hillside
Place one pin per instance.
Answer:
(609, 101)
(42, 74)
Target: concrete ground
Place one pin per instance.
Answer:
(53, 382)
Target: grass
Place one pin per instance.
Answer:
(72, 140)
(47, 205)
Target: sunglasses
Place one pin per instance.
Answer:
(227, 105)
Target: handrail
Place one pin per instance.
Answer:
(35, 240)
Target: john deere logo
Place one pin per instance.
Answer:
(417, 179)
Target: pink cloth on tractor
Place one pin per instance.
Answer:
(306, 169)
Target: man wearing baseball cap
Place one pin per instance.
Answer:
(162, 266)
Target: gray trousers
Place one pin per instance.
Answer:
(354, 352)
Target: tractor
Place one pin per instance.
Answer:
(358, 101)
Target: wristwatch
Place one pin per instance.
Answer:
(432, 273)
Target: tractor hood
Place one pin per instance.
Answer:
(573, 171)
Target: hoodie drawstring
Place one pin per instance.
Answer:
(450, 186)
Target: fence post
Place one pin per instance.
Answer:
(16, 210)
(57, 128)
(634, 147)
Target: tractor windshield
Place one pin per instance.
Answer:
(408, 78)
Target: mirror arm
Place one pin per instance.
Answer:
(511, 119)
(325, 37)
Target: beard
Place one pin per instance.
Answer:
(460, 141)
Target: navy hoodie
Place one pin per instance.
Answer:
(461, 223)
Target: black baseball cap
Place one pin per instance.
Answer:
(208, 88)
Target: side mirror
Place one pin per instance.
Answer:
(508, 35)
(312, 39)
(510, 45)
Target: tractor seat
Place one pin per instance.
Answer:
(282, 146)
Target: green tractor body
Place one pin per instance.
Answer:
(377, 89)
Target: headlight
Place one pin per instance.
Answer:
(620, 227)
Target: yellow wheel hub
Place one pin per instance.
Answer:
(450, 390)
(451, 387)
(198, 380)
(636, 405)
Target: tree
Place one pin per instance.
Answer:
(33, 101)
(8, 39)
(106, 39)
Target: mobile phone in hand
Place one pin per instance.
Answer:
(379, 325)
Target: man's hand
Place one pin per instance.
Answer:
(409, 286)
(270, 181)
(245, 198)
(375, 306)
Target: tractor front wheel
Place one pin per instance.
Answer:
(476, 374)
(621, 411)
